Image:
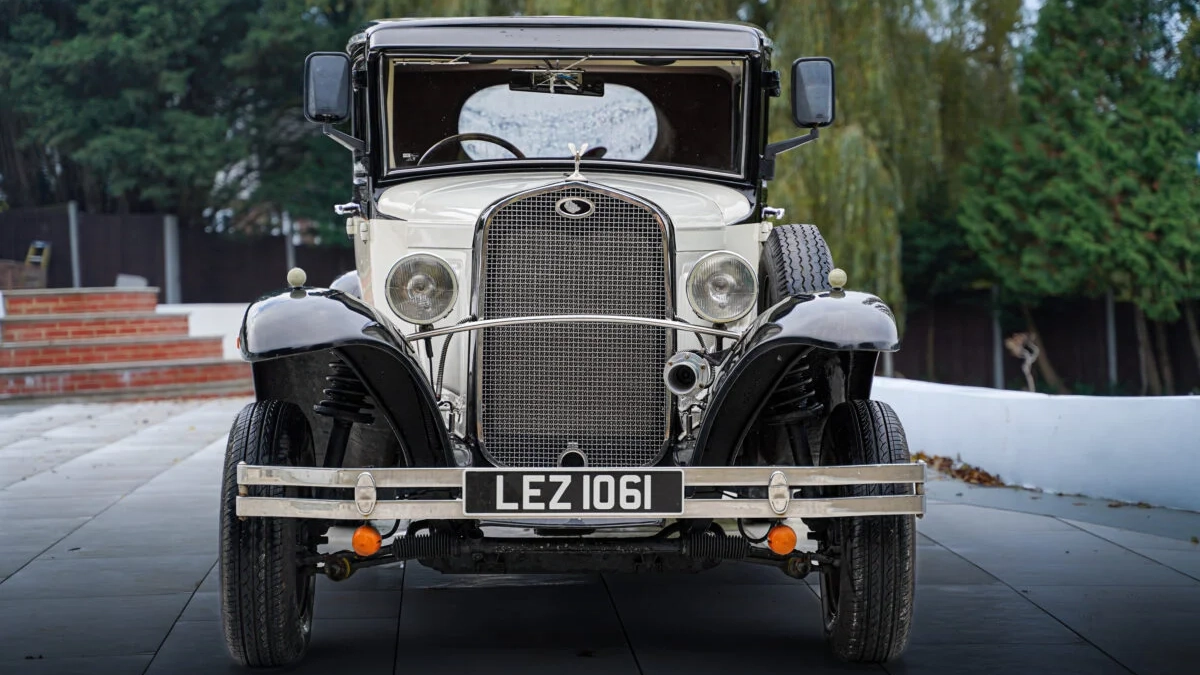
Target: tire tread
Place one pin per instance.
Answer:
(874, 623)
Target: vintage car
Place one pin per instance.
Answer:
(576, 338)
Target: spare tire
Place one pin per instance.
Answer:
(795, 261)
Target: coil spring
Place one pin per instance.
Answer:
(713, 546)
(345, 396)
(425, 546)
(791, 399)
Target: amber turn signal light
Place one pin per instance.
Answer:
(781, 539)
(366, 540)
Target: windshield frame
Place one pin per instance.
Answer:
(743, 135)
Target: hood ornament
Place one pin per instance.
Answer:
(578, 154)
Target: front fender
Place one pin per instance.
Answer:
(858, 324)
(280, 328)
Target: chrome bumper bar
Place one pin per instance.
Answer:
(779, 481)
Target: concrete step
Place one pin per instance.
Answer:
(57, 327)
(144, 379)
(32, 302)
(108, 350)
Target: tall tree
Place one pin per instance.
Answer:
(1096, 189)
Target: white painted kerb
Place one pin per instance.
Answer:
(1137, 449)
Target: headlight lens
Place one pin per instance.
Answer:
(421, 288)
(722, 287)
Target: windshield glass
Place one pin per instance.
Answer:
(622, 122)
(682, 112)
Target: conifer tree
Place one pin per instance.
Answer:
(1096, 188)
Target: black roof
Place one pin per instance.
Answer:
(566, 33)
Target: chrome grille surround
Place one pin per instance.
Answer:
(540, 387)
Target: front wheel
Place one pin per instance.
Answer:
(867, 600)
(266, 591)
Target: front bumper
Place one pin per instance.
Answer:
(362, 485)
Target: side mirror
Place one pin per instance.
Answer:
(327, 87)
(812, 92)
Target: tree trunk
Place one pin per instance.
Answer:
(1150, 382)
(1189, 317)
(1043, 363)
(1164, 358)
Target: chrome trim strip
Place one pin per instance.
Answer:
(697, 476)
(573, 318)
(451, 509)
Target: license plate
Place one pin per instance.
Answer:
(553, 492)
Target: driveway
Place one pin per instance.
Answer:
(108, 540)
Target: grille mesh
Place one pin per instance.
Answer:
(595, 384)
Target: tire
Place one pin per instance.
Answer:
(867, 601)
(796, 261)
(266, 598)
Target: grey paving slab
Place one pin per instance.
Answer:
(1163, 522)
(983, 615)
(34, 532)
(78, 665)
(545, 660)
(14, 507)
(1078, 659)
(722, 628)
(106, 577)
(77, 627)
(198, 647)
(939, 565)
(1181, 556)
(1024, 549)
(510, 617)
(1149, 630)
(542, 629)
(15, 556)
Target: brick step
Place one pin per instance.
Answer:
(124, 379)
(56, 327)
(204, 390)
(108, 350)
(40, 301)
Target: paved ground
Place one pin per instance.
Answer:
(108, 540)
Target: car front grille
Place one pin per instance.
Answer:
(544, 388)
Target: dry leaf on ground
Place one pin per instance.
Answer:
(960, 470)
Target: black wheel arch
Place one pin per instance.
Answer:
(291, 337)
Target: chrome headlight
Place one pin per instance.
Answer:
(421, 288)
(721, 287)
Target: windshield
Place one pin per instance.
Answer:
(682, 112)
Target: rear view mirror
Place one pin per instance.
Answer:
(812, 92)
(327, 87)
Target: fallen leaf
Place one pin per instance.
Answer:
(959, 469)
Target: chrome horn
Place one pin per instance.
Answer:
(686, 373)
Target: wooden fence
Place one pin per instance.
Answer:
(213, 267)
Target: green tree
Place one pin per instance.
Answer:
(1096, 189)
(121, 104)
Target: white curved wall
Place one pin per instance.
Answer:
(1137, 449)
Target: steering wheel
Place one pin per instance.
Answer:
(496, 140)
